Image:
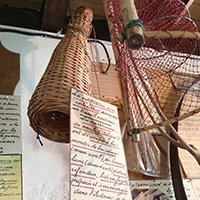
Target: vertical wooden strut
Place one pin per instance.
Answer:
(123, 89)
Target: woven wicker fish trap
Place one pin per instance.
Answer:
(69, 66)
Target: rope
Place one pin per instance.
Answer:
(133, 22)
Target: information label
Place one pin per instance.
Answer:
(10, 125)
(10, 177)
(152, 189)
(159, 189)
(189, 190)
(98, 167)
(196, 186)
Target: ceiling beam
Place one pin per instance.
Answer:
(54, 15)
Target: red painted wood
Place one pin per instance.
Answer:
(9, 70)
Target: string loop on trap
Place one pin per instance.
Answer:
(38, 134)
(133, 22)
(135, 133)
(38, 138)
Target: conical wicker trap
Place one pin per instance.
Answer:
(69, 66)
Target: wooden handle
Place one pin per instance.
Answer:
(134, 34)
(166, 34)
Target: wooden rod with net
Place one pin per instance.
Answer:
(171, 121)
(165, 121)
(166, 34)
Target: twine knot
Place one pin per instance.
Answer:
(133, 22)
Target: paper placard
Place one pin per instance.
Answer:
(189, 130)
(159, 189)
(10, 177)
(98, 167)
(10, 125)
(189, 191)
(196, 186)
(151, 189)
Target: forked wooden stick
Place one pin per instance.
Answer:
(171, 121)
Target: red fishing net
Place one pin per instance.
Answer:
(165, 72)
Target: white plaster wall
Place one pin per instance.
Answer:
(45, 168)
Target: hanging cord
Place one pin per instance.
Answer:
(106, 51)
(38, 130)
(38, 137)
(94, 63)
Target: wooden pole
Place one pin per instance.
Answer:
(166, 34)
(171, 34)
(134, 34)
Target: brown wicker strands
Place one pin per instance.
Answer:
(69, 66)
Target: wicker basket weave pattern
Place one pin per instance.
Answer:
(69, 66)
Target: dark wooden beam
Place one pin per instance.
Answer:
(20, 17)
(54, 15)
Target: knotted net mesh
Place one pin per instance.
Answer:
(165, 72)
